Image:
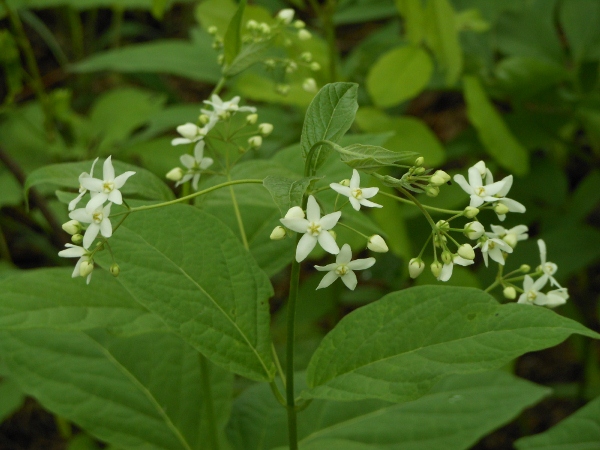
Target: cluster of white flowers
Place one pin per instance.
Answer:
(317, 229)
(94, 217)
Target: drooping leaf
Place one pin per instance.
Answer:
(232, 42)
(328, 117)
(285, 192)
(397, 348)
(372, 157)
(186, 267)
(498, 140)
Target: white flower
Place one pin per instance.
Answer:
(358, 196)
(511, 236)
(98, 223)
(446, 271)
(508, 203)
(191, 133)
(82, 190)
(220, 107)
(195, 165)
(557, 297)
(75, 251)
(494, 248)
(532, 294)
(475, 188)
(549, 268)
(315, 230)
(105, 189)
(343, 268)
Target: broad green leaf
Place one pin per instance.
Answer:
(174, 57)
(499, 141)
(579, 21)
(143, 184)
(399, 75)
(441, 34)
(397, 348)
(142, 391)
(248, 55)
(285, 192)
(453, 416)
(580, 431)
(413, 13)
(328, 117)
(11, 398)
(232, 42)
(371, 157)
(186, 267)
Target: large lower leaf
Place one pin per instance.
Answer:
(458, 411)
(185, 266)
(397, 348)
(139, 392)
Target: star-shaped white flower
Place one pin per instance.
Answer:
(98, 223)
(479, 192)
(191, 133)
(549, 268)
(532, 294)
(75, 251)
(344, 268)
(107, 188)
(195, 165)
(446, 272)
(511, 236)
(512, 205)
(358, 196)
(557, 297)
(315, 229)
(493, 247)
(232, 105)
(73, 203)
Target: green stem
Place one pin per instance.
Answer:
(77, 36)
(238, 216)
(356, 231)
(278, 364)
(420, 206)
(431, 208)
(219, 86)
(289, 388)
(277, 393)
(213, 436)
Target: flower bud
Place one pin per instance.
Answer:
(278, 233)
(377, 244)
(304, 35)
(510, 292)
(466, 251)
(295, 213)
(286, 15)
(175, 174)
(291, 67)
(309, 85)
(436, 268)
(439, 177)
(212, 30)
(525, 268)
(77, 239)
(282, 89)
(315, 66)
(443, 225)
(270, 63)
(299, 24)
(470, 212)
(265, 129)
(251, 119)
(72, 227)
(419, 161)
(345, 182)
(438, 241)
(85, 268)
(252, 24)
(511, 239)
(203, 119)
(432, 191)
(306, 57)
(333, 234)
(474, 230)
(220, 59)
(419, 171)
(114, 269)
(447, 257)
(415, 267)
(255, 141)
(188, 130)
(501, 208)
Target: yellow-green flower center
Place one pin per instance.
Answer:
(357, 193)
(108, 187)
(342, 269)
(314, 229)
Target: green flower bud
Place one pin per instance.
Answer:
(265, 129)
(510, 292)
(85, 268)
(525, 268)
(447, 257)
(255, 141)
(77, 239)
(470, 212)
(432, 191)
(175, 174)
(415, 267)
(114, 269)
(278, 233)
(304, 35)
(501, 209)
(377, 244)
(419, 161)
(72, 227)
(466, 251)
(436, 268)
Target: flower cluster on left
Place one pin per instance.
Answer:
(93, 219)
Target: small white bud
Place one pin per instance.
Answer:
(510, 292)
(270, 63)
(265, 129)
(114, 269)
(282, 89)
(419, 161)
(315, 66)
(255, 141)
(470, 212)
(77, 239)
(415, 267)
(306, 57)
(278, 233)
(72, 227)
(511, 239)
(447, 257)
(443, 225)
(473, 230)
(85, 268)
(252, 24)
(220, 59)
(501, 208)
(525, 268)
(438, 241)
(432, 191)
(304, 35)
(419, 170)
(345, 182)
(377, 244)
(466, 251)
(286, 15)
(309, 85)
(439, 178)
(436, 268)
(251, 119)
(175, 174)
(212, 30)
(299, 24)
(291, 67)
(264, 28)
(333, 234)
(295, 213)
(188, 130)
(203, 119)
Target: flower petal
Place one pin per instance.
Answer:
(330, 220)
(121, 179)
(91, 184)
(327, 280)
(349, 279)
(361, 264)
(369, 192)
(462, 182)
(199, 151)
(305, 246)
(108, 172)
(82, 215)
(542, 247)
(345, 255)
(446, 272)
(355, 180)
(106, 227)
(508, 181)
(313, 212)
(73, 251)
(115, 197)
(343, 190)
(195, 181)
(328, 267)
(179, 141)
(370, 204)
(475, 179)
(328, 243)
(494, 188)
(187, 160)
(513, 205)
(206, 163)
(297, 225)
(90, 234)
(73, 203)
(96, 202)
(355, 203)
(476, 201)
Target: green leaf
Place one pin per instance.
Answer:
(232, 42)
(525, 77)
(328, 117)
(499, 141)
(142, 391)
(174, 57)
(453, 416)
(413, 13)
(580, 431)
(285, 192)
(158, 8)
(11, 398)
(371, 157)
(399, 75)
(248, 55)
(397, 348)
(185, 266)
(441, 34)
(579, 19)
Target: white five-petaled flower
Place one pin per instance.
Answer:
(479, 192)
(75, 251)
(315, 229)
(344, 268)
(191, 133)
(98, 223)
(446, 272)
(549, 268)
(511, 236)
(195, 164)
(358, 196)
(532, 294)
(82, 190)
(232, 105)
(105, 189)
(494, 248)
(511, 205)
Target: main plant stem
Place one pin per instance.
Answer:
(208, 402)
(289, 358)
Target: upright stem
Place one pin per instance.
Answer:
(213, 435)
(329, 27)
